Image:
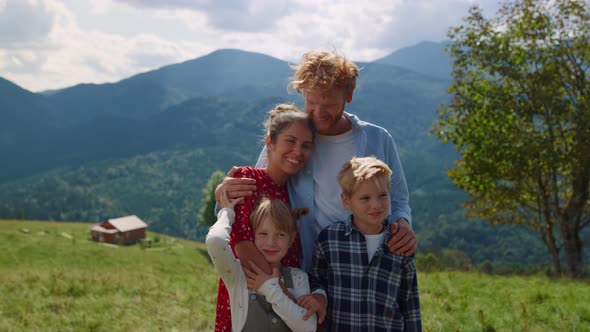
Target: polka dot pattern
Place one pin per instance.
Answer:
(241, 231)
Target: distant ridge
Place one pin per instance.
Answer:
(22, 111)
(183, 105)
(428, 58)
(228, 73)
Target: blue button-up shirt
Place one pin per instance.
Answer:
(363, 295)
(369, 140)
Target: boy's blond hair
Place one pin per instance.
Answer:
(358, 170)
(279, 212)
(324, 70)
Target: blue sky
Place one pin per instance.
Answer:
(52, 44)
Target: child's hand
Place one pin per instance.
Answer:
(256, 277)
(314, 303)
(226, 202)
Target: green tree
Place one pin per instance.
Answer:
(520, 118)
(206, 214)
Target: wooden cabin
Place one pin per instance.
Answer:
(124, 230)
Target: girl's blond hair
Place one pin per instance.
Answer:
(278, 212)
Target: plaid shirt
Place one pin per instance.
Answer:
(380, 295)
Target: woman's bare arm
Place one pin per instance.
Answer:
(247, 252)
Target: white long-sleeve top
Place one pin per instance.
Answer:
(233, 276)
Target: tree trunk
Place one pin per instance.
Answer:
(549, 240)
(573, 249)
(547, 229)
(555, 258)
(571, 219)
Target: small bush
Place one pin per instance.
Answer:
(428, 263)
(486, 267)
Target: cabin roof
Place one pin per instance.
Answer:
(99, 228)
(127, 223)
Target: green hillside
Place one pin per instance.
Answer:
(50, 282)
(52, 278)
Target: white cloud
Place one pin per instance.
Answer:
(149, 51)
(24, 22)
(427, 20)
(232, 15)
(48, 44)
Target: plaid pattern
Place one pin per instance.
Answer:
(380, 295)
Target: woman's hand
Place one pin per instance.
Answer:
(256, 277)
(235, 187)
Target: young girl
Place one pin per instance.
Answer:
(258, 302)
(288, 140)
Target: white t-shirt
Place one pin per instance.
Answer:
(330, 154)
(373, 242)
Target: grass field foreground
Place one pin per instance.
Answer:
(51, 282)
(471, 301)
(53, 278)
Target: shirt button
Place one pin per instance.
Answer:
(274, 320)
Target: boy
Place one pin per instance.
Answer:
(367, 287)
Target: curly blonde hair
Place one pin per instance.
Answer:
(324, 70)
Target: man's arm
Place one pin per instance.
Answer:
(399, 194)
(404, 240)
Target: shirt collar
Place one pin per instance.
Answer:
(349, 227)
(360, 137)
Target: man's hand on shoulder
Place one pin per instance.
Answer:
(235, 187)
(403, 242)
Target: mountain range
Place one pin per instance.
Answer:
(147, 144)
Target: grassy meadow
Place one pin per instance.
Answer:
(49, 282)
(53, 278)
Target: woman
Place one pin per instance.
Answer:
(288, 141)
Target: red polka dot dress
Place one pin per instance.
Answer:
(241, 231)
